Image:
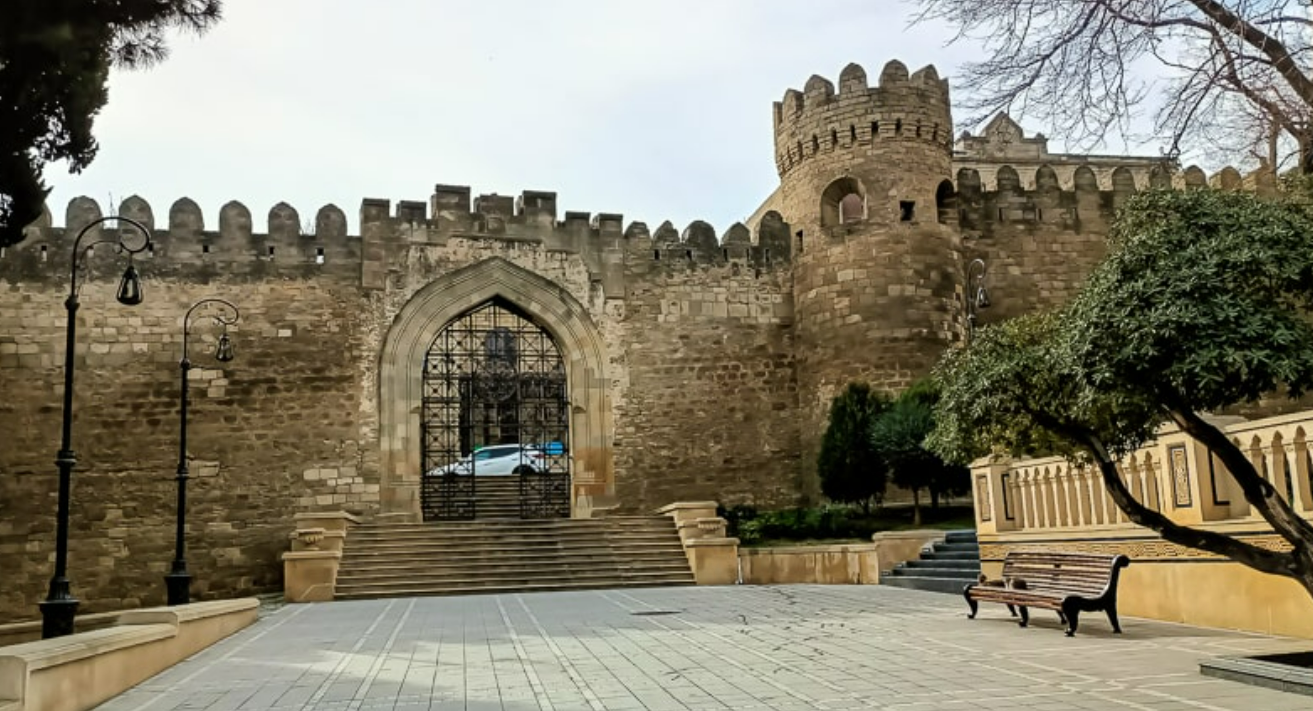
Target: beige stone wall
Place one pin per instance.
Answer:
(709, 397)
(274, 430)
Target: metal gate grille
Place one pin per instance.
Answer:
(494, 378)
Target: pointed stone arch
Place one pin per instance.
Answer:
(428, 311)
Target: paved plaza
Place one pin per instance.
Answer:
(782, 647)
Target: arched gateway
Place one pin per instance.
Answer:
(493, 355)
(495, 405)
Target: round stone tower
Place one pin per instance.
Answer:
(864, 182)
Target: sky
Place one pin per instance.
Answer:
(659, 111)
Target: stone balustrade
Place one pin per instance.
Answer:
(1173, 475)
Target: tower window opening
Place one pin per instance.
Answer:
(800, 153)
(843, 202)
(852, 208)
(934, 133)
(906, 210)
(1000, 215)
(319, 251)
(816, 144)
(918, 129)
(1039, 213)
(688, 254)
(43, 252)
(271, 250)
(834, 138)
(656, 255)
(150, 250)
(767, 251)
(798, 235)
(875, 130)
(898, 127)
(724, 253)
(852, 133)
(205, 249)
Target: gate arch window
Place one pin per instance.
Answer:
(495, 413)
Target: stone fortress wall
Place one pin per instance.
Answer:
(694, 329)
(701, 364)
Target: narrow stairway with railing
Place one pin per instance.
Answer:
(489, 555)
(944, 566)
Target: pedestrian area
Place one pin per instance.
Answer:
(778, 647)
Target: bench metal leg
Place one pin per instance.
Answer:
(1025, 616)
(975, 606)
(1112, 619)
(1012, 609)
(1072, 613)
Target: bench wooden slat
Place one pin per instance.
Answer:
(1070, 583)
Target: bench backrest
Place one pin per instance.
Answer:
(1084, 574)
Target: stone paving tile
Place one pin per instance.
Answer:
(830, 648)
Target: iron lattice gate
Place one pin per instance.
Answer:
(495, 405)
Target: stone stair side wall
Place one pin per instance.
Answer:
(841, 564)
(713, 557)
(310, 567)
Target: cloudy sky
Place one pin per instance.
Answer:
(654, 110)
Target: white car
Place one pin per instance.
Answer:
(498, 460)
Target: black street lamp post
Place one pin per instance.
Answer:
(976, 296)
(60, 607)
(178, 581)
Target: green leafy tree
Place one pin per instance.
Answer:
(55, 57)
(849, 469)
(898, 436)
(1201, 304)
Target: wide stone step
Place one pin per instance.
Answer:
(450, 544)
(959, 564)
(956, 548)
(477, 578)
(475, 589)
(952, 586)
(415, 560)
(930, 572)
(511, 559)
(507, 574)
(397, 567)
(514, 524)
(950, 555)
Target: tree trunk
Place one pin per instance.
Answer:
(934, 498)
(916, 507)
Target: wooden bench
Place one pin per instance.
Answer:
(1070, 583)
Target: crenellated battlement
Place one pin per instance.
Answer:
(901, 107)
(292, 247)
(1071, 200)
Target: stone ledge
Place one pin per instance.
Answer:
(710, 542)
(31, 656)
(187, 613)
(30, 631)
(81, 671)
(685, 505)
(794, 550)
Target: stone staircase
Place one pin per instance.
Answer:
(945, 566)
(510, 555)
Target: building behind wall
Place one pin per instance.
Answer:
(699, 365)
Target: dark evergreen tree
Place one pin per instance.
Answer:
(55, 57)
(849, 469)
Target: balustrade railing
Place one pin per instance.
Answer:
(1173, 475)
